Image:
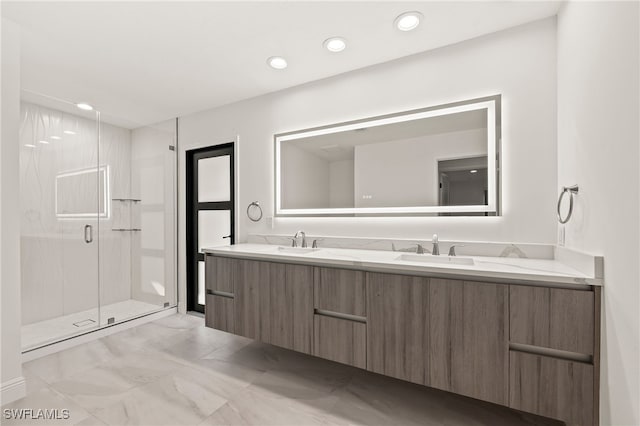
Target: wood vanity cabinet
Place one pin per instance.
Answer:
(271, 302)
(398, 326)
(340, 331)
(219, 303)
(554, 357)
(530, 347)
(553, 387)
(468, 339)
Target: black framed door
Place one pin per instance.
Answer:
(210, 211)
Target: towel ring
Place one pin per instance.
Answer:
(257, 209)
(571, 190)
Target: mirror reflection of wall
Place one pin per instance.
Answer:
(399, 164)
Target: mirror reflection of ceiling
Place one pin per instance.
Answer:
(146, 62)
(340, 145)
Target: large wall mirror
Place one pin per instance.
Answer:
(441, 160)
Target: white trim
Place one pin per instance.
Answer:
(12, 390)
(490, 106)
(95, 335)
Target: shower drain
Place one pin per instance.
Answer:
(84, 323)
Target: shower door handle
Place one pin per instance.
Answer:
(88, 234)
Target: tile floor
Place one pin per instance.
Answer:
(174, 371)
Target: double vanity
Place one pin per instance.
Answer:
(523, 333)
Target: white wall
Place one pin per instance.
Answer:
(598, 136)
(305, 178)
(405, 172)
(519, 63)
(341, 184)
(10, 362)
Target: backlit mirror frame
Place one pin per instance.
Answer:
(492, 105)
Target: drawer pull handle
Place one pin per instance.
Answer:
(553, 353)
(340, 315)
(220, 293)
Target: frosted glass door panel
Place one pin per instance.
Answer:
(213, 179)
(213, 225)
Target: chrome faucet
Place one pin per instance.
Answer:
(304, 238)
(436, 247)
(452, 249)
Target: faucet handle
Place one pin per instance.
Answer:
(294, 242)
(434, 239)
(452, 249)
(315, 242)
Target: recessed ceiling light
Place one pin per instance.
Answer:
(408, 21)
(44, 142)
(56, 137)
(69, 132)
(84, 106)
(335, 44)
(28, 145)
(277, 62)
(473, 171)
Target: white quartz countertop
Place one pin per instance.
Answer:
(495, 269)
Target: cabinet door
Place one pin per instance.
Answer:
(340, 340)
(220, 273)
(252, 297)
(552, 387)
(339, 290)
(397, 326)
(219, 313)
(553, 318)
(468, 345)
(291, 307)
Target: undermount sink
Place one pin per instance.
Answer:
(298, 250)
(427, 258)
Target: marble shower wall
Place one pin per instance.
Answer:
(59, 270)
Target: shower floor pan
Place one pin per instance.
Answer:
(55, 329)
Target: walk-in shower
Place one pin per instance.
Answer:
(98, 221)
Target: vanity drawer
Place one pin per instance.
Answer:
(339, 290)
(552, 318)
(340, 340)
(219, 313)
(552, 387)
(220, 273)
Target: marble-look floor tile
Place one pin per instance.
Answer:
(258, 405)
(184, 397)
(226, 378)
(47, 399)
(181, 321)
(55, 367)
(91, 421)
(33, 382)
(262, 356)
(375, 399)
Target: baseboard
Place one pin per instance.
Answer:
(94, 335)
(13, 390)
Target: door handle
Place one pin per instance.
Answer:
(88, 234)
(226, 236)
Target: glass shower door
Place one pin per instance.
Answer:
(63, 196)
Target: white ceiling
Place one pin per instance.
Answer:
(144, 62)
